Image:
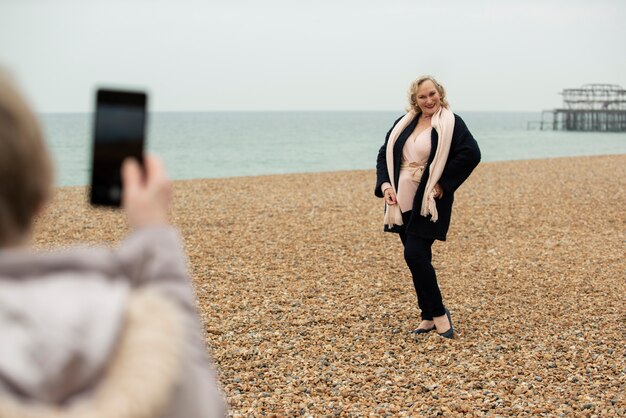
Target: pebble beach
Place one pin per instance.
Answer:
(308, 305)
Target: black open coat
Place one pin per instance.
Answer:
(463, 158)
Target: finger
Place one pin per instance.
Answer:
(152, 165)
(155, 169)
(131, 174)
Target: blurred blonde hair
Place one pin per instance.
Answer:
(25, 166)
(415, 85)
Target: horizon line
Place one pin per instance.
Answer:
(289, 111)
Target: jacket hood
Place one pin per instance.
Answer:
(62, 322)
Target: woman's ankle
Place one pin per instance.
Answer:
(442, 323)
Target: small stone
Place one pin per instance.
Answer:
(287, 288)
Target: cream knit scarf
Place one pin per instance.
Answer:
(442, 122)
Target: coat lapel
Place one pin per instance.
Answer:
(434, 140)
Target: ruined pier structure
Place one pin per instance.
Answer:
(593, 107)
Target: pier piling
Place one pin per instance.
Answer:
(592, 107)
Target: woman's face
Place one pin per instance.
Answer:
(428, 98)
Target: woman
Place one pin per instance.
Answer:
(427, 155)
(94, 332)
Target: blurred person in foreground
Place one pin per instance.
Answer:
(93, 332)
(427, 155)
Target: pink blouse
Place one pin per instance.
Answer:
(414, 154)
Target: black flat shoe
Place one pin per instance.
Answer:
(422, 330)
(449, 333)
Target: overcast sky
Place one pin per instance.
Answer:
(311, 55)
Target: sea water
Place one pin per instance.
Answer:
(227, 144)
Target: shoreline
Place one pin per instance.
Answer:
(357, 169)
(308, 305)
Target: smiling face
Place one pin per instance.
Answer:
(428, 98)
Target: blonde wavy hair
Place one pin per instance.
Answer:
(25, 166)
(415, 85)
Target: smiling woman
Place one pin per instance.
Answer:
(426, 96)
(427, 155)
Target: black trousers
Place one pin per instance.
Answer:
(418, 256)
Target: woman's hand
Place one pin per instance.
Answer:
(390, 196)
(147, 196)
(437, 191)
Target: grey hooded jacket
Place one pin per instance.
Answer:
(96, 333)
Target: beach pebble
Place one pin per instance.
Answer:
(308, 305)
